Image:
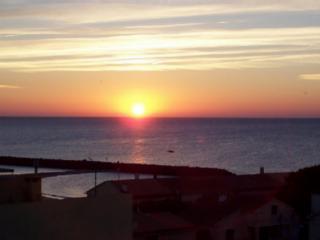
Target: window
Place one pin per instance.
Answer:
(230, 234)
(274, 210)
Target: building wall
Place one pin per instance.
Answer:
(20, 189)
(95, 218)
(186, 235)
(179, 235)
(314, 225)
(106, 189)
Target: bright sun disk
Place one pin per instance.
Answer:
(138, 110)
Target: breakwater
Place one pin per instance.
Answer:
(113, 166)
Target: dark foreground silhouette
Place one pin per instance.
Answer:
(193, 203)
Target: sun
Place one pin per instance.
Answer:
(138, 110)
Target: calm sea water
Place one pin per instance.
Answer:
(239, 145)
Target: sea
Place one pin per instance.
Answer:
(238, 145)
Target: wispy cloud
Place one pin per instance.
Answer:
(310, 77)
(9, 86)
(149, 35)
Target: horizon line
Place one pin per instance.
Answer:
(165, 117)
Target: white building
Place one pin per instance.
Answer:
(269, 220)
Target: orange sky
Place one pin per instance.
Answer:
(179, 58)
(222, 93)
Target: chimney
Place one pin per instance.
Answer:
(261, 170)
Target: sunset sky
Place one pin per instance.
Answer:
(205, 58)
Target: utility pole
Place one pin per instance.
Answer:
(36, 165)
(94, 164)
(95, 179)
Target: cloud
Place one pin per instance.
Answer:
(9, 86)
(190, 49)
(310, 76)
(111, 11)
(40, 35)
(198, 49)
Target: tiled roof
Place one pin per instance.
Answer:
(143, 188)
